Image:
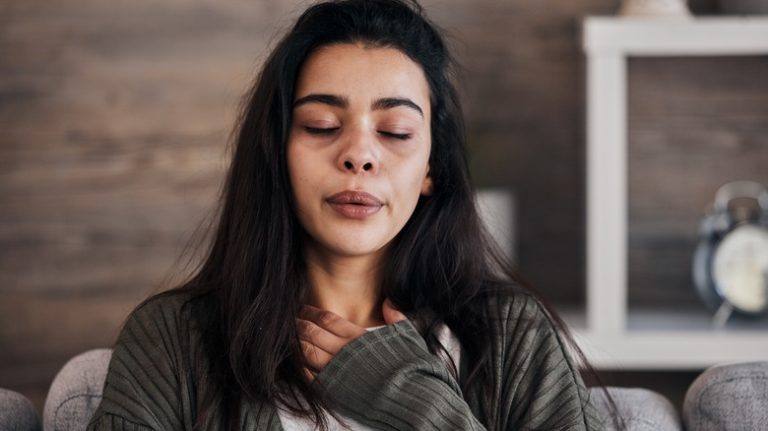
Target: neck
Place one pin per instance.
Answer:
(347, 286)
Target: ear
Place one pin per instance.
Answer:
(427, 186)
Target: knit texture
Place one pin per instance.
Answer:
(385, 379)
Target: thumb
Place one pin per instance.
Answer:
(391, 315)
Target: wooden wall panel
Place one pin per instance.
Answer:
(695, 123)
(115, 118)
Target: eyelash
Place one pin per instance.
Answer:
(398, 136)
(330, 130)
(320, 130)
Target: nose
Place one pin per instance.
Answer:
(359, 154)
(353, 167)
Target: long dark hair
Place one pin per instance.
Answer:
(441, 268)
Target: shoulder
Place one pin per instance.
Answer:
(170, 303)
(157, 320)
(523, 327)
(511, 304)
(171, 309)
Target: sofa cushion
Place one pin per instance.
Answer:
(639, 409)
(76, 391)
(728, 397)
(17, 412)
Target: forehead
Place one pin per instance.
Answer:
(357, 71)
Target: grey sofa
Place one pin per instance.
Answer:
(727, 397)
(76, 392)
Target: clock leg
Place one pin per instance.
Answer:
(722, 315)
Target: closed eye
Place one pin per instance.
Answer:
(400, 136)
(320, 130)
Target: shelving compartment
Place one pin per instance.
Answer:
(674, 107)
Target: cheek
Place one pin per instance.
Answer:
(297, 172)
(411, 185)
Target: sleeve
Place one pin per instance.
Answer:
(141, 391)
(541, 387)
(388, 380)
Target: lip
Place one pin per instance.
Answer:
(355, 204)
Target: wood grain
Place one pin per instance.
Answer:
(695, 123)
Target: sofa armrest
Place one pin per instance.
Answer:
(639, 409)
(17, 412)
(732, 396)
(76, 391)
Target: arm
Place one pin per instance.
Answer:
(387, 379)
(542, 386)
(142, 386)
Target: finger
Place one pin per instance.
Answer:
(310, 375)
(315, 357)
(312, 333)
(331, 322)
(391, 314)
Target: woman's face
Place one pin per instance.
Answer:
(358, 149)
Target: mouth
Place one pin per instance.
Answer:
(355, 204)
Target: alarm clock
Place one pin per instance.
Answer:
(730, 264)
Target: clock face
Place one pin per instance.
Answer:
(740, 268)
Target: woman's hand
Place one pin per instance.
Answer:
(323, 334)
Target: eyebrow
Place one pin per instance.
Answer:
(393, 102)
(343, 102)
(327, 99)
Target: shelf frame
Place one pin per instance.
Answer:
(608, 42)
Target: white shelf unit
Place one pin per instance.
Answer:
(612, 336)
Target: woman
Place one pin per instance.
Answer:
(349, 282)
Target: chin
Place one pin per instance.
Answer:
(356, 250)
(354, 245)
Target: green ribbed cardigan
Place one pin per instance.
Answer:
(386, 379)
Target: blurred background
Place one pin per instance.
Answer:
(115, 120)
